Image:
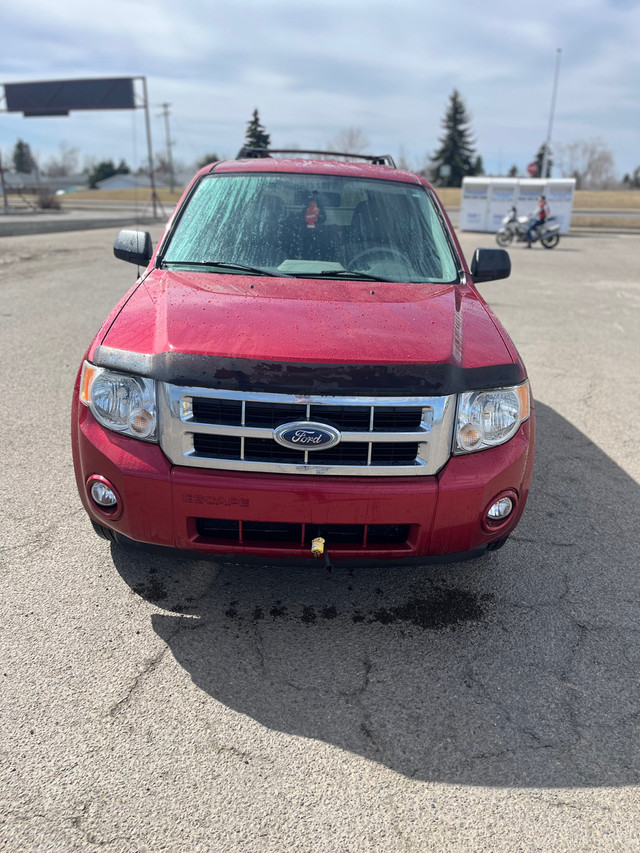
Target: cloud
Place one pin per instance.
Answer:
(313, 69)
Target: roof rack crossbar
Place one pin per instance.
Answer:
(375, 159)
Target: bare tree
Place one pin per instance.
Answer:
(66, 163)
(350, 140)
(405, 162)
(163, 166)
(590, 162)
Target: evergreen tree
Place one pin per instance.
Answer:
(539, 160)
(513, 172)
(206, 159)
(455, 159)
(106, 169)
(22, 157)
(256, 136)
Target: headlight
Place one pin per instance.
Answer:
(488, 418)
(120, 402)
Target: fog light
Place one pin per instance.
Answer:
(500, 510)
(103, 495)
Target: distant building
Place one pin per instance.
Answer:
(29, 183)
(128, 181)
(141, 181)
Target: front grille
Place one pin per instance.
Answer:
(234, 430)
(218, 446)
(267, 450)
(217, 411)
(295, 535)
(346, 418)
(269, 415)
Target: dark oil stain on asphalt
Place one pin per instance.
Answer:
(152, 591)
(308, 615)
(444, 607)
(447, 607)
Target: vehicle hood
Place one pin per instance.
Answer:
(308, 320)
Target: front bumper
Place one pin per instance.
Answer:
(206, 511)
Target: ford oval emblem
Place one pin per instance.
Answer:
(306, 435)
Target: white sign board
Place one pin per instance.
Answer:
(485, 201)
(475, 201)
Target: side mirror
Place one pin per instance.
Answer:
(133, 246)
(490, 264)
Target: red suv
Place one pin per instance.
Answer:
(305, 366)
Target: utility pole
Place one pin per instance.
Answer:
(165, 112)
(4, 187)
(152, 180)
(545, 158)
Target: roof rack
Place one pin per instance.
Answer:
(376, 160)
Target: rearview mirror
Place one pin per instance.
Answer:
(133, 246)
(490, 264)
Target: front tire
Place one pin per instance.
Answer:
(504, 238)
(103, 532)
(495, 546)
(550, 242)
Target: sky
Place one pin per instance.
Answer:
(312, 70)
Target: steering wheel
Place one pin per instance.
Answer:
(370, 253)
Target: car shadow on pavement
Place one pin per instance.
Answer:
(520, 669)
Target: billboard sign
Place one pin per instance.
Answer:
(59, 97)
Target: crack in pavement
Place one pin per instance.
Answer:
(152, 664)
(187, 623)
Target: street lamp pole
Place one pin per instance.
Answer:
(547, 145)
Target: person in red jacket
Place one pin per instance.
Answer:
(539, 216)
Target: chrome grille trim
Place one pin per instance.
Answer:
(178, 427)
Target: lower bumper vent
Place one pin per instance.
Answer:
(295, 535)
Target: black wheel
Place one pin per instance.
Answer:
(104, 532)
(504, 238)
(551, 241)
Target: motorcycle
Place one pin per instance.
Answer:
(514, 226)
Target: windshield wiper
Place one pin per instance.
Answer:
(355, 274)
(225, 265)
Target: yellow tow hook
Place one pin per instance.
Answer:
(318, 550)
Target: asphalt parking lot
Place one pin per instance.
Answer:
(151, 704)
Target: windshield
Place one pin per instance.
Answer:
(315, 226)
